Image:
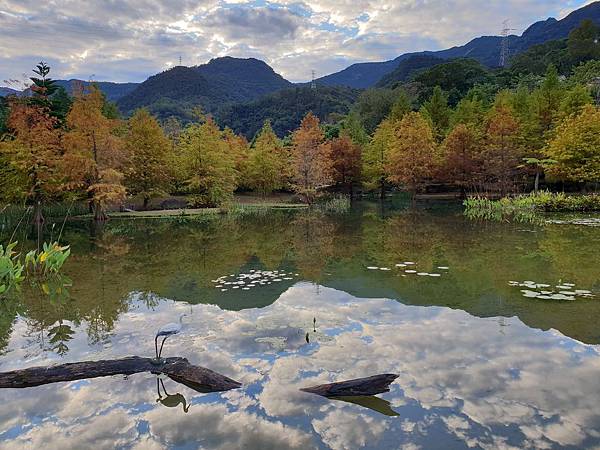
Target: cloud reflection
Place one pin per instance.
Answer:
(463, 380)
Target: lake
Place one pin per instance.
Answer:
(493, 329)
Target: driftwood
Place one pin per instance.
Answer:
(178, 369)
(377, 384)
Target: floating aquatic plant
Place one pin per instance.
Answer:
(544, 291)
(255, 278)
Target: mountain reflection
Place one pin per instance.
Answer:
(461, 381)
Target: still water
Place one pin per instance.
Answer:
(465, 313)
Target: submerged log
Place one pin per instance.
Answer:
(178, 369)
(376, 384)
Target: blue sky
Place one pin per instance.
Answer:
(120, 40)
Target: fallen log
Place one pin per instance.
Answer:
(178, 369)
(376, 384)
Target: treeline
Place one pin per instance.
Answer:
(450, 127)
(56, 149)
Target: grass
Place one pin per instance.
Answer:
(526, 208)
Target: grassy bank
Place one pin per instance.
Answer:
(527, 207)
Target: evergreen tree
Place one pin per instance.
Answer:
(437, 111)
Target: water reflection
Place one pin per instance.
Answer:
(170, 400)
(462, 383)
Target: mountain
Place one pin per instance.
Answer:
(6, 91)
(286, 108)
(407, 68)
(219, 82)
(485, 49)
(112, 91)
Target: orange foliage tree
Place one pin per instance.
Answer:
(33, 155)
(413, 157)
(345, 162)
(503, 150)
(310, 159)
(94, 154)
(462, 157)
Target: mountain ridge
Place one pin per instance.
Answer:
(485, 49)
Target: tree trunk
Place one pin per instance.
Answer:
(376, 384)
(178, 369)
(536, 183)
(99, 213)
(146, 200)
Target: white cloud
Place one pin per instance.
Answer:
(130, 40)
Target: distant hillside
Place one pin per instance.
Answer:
(485, 49)
(112, 91)
(286, 109)
(210, 86)
(6, 91)
(408, 68)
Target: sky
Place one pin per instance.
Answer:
(129, 40)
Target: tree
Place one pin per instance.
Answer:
(268, 164)
(32, 155)
(207, 167)
(576, 147)
(583, 42)
(503, 150)
(345, 162)
(238, 149)
(4, 113)
(47, 94)
(413, 158)
(147, 173)
(94, 153)
(401, 106)
(437, 111)
(469, 111)
(352, 127)
(373, 106)
(574, 101)
(310, 159)
(462, 157)
(375, 156)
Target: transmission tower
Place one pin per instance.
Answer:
(180, 60)
(504, 45)
(313, 83)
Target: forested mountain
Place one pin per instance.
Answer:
(485, 49)
(408, 68)
(6, 91)
(223, 80)
(285, 109)
(112, 91)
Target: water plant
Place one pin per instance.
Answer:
(339, 204)
(11, 269)
(526, 208)
(47, 261)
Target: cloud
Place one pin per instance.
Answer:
(131, 40)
